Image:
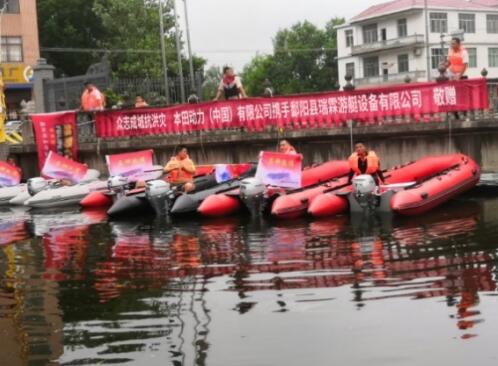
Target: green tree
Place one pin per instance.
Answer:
(115, 25)
(303, 60)
(211, 82)
(134, 25)
(69, 24)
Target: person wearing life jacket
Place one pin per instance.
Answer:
(181, 169)
(230, 86)
(363, 161)
(286, 148)
(92, 99)
(458, 60)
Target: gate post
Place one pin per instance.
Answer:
(41, 72)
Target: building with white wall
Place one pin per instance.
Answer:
(389, 42)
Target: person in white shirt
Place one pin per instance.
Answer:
(230, 86)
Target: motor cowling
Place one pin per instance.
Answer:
(117, 183)
(159, 194)
(157, 188)
(36, 185)
(365, 191)
(251, 187)
(252, 194)
(364, 184)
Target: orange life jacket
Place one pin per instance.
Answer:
(92, 100)
(457, 66)
(180, 175)
(373, 163)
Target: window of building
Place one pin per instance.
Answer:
(371, 66)
(11, 6)
(370, 33)
(467, 22)
(493, 57)
(438, 55)
(350, 69)
(439, 22)
(349, 38)
(12, 49)
(492, 23)
(472, 57)
(402, 28)
(403, 63)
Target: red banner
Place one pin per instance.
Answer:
(55, 132)
(9, 175)
(298, 111)
(59, 167)
(130, 164)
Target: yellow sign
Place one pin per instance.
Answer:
(17, 73)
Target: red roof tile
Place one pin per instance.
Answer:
(401, 5)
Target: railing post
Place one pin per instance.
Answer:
(41, 72)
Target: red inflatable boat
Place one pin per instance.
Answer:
(228, 203)
(438, 179)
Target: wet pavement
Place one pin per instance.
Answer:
(76, 289)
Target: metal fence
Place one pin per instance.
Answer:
(65, 93)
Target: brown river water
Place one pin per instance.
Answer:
(76, 289)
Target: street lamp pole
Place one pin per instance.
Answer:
(190, 57)
(179, 53)
(163, 51)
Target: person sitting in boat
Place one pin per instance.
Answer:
(363, 161)
(181, 169)
(286, 148)
(230, 86)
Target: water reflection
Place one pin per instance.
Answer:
(80, 290)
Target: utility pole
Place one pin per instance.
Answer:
(190, 57)
(427, 46)
(179, 53)
(163, 51)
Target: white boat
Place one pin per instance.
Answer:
(58, 196)
(8, 193)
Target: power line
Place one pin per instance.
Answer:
(142, 51)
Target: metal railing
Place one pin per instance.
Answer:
(65, 93)
(413, 76)
(388, 44)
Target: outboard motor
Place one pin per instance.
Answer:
(158, 193)
(365, 191)
(252, 193)
(117, 183)
(36, 185)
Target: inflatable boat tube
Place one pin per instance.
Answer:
(294, 205)
(218, 205)
(97, 199)
(8, 193)
(437, 190)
